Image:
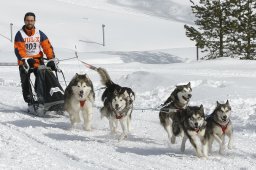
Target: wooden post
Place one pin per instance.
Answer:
(197, 53)
(11, 24)
(103, 34)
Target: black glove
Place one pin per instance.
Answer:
(52, 65)
(28, 64)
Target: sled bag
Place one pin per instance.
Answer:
(48, 89)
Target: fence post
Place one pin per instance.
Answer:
(103, 33)
(11, 24)
(197, 53)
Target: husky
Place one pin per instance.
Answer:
(176, 102)
(79, 97)
(218, 126)
(191, 124)
(118, 104)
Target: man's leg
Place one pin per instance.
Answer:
(25, 84)
(39, 85)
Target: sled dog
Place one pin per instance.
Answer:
(218, 126)
(79, 97)
(117, 104)
(177, 101)
(191, 125)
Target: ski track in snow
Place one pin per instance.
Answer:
(149, 54)
(146, 147)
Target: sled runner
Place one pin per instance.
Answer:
(47, 93)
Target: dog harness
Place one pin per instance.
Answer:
(119, 117)
(223, 127)
(82, 102)
(197, 130)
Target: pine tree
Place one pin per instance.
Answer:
(248, 29)
(232, 10)
(211, 33)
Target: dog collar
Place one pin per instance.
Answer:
(119, 117)
(223, 127)
(197, 130)
(82, 103)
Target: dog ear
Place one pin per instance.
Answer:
(86, 76)
(126, 94)
(132, 97)
(227, 103)
(218, 103)
(189, 84)
(115, 92)
(201, 108)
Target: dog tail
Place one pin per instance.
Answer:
(105, 78)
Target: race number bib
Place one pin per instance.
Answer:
(32, 43)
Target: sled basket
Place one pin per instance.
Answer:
(48, 95)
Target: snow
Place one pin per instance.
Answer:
(147, 50)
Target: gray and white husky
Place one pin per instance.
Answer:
(177, 101)
(191, 124)
(218, 126)
(118, 104)
(79, 97)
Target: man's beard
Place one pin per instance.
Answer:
(29, 27)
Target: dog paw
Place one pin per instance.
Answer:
(173, 139)
(199, 155)
(221, 151)
(122, 137)
(87, 128)
(204, 157)
(182, 150)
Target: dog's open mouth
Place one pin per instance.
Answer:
(185, 98)
(224, 119)
(197, 129)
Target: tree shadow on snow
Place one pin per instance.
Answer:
(91, 42)
(248, 127)
(66, 137)
(134, 138)
(36, 123)
(147, 57)
(149, 151)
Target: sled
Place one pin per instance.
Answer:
(47, 93)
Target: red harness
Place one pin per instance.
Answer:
(119, 117)
(197, 130)
(223, 127)
(82, 103)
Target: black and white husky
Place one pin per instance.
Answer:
(191, 124)
(79, 97)
(177, 101)
(218, 126)
(118, 104)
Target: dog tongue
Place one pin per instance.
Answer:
(82, 103)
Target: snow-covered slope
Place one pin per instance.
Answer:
(146, 49)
